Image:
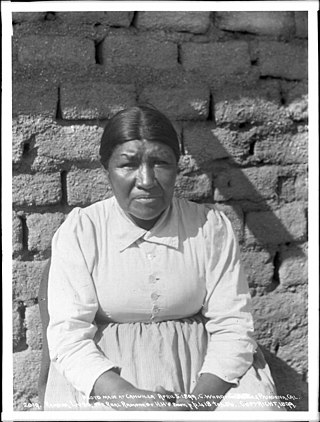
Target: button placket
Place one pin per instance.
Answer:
(149, 250)
(154, 296)
(153, 279)
(155, 307)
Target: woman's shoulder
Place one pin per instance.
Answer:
(93, 210)
(82, 217)
(198, 211)
(97, 210)
(206, 217)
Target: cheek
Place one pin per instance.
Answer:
(120, 184)
(168, 179)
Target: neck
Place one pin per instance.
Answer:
(144, 224)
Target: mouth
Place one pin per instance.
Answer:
(147, 198)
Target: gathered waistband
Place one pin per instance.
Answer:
(198, 318)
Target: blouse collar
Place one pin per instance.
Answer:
(126, 232)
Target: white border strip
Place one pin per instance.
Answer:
(7, 8)
(164, 5)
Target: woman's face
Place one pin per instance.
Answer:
(142, 175)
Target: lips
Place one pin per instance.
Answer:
(147, 197)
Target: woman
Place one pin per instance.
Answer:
(146, 296)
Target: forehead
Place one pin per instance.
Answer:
(139, 148)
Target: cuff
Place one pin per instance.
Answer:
(95, 374)
(230, 369)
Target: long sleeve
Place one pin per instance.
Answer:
(227, 304)
(72, 304)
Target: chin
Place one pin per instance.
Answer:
(148, 217)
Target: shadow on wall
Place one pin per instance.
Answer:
(258, 170)
(288, 381)
(267, 229)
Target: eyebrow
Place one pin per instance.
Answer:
(162, 154)
(128, 155)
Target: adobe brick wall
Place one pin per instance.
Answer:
(235, 85)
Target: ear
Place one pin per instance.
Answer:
(105, 170)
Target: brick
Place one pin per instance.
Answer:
(38, 189)
(235, 215)
(293, 187)
(56, 50)
(294, 349)
(24, 127)
(85, 187)
(138, 51)
(94, 100)
(187, 164)
(283, 60)
(41, 228)
(70, 143)
(18, 17)
(298, 110)
(288, 379)
(16, 233)
(116, 18)
(238, 104)
(194, 22)
(235, 143)
(288, 224)
(295, 95)
(219, 59)
(206, 143)
(293, 353)
(33, 327)
(293, 91)
(26, 276)
(35, 99)
(283, 149)
(201, 144)
(286, 189)
(42, 164)
(261, 23)
(254, 184)
(26, 367)
(300, 188)
(194, 188)
(301, 21)
(181, 103)
(285, 329)
(286, 312)
(17, 147)
(293, 269)
(18, 332)
(259, 269)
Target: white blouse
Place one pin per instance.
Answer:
(105, 268)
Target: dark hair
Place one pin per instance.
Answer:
(142, 122)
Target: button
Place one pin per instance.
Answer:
(149, 256)
(152, 279)
(154, 296)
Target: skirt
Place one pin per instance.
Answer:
(169, 354)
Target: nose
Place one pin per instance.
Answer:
(146, 177)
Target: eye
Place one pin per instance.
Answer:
(162, 163)
(129, 164)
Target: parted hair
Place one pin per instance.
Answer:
(141, 122)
